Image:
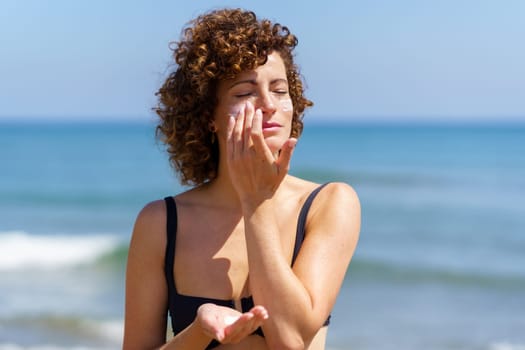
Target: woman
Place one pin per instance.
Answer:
(250, 257)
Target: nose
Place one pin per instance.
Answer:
(266, 103)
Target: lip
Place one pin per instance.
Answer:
(270, 125)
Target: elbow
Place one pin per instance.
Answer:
(298, 337)
(287, 345)
(289, 342)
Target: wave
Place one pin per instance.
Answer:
(64, 332)
(11, 346)
(372, 177)
(90, 199)
(396, 272)
(507, 346)
(21, 250)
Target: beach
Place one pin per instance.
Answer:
(440, 263)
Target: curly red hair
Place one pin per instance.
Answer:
(216, 46)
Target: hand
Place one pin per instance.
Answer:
(255, 171)
(228, 325)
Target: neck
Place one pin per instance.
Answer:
(221, 189)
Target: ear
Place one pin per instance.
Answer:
(212, 127)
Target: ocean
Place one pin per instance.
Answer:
(440, 263)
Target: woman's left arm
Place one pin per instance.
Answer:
(299, 299)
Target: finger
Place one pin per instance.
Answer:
(260, 312)
(248, 120)
(237, 131)
(257, 136)
(243, 332)
(248, 328)
(229, 137)
(239, 329)
(283, 162)
(228, 320)
(220, 335)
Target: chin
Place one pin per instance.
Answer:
(275, 144)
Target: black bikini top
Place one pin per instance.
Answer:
(183, 308)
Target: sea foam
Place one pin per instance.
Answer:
(9, 346)
(507, 346)
(20, 250)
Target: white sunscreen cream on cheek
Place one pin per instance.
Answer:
(234, 110)
(286, 105)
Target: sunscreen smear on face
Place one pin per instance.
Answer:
(286, 105)
(235, 110)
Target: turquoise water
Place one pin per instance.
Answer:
(440, 263)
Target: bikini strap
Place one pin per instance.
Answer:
(301, 222)
(169, 257)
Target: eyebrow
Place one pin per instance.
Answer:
(253, 82)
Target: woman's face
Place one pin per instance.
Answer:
(266, 87)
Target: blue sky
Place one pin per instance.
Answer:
(425, 60)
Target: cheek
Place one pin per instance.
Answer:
(286, 105)
(223, 113)
(235, 109)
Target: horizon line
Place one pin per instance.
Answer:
(307, 117)
(309, 120)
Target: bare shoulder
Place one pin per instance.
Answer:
(336, 205)
(338, 193)
(152, 215)
(149, 232)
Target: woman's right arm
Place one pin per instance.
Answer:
(146, 289)
(147, 296)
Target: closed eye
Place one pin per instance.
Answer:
(245, 94)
